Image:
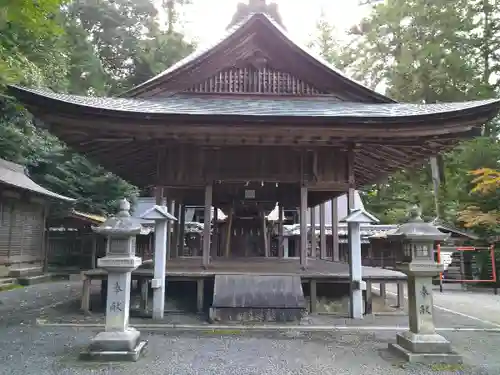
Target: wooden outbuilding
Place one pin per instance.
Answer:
(23, 210)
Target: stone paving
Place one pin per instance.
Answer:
(29, 349)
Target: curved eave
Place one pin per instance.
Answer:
(222, 111)
(266, 23)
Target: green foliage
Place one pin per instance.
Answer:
(29, 40)
(94, 47)
(118, 44)
(426, 52)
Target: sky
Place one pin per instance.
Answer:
(207, 19)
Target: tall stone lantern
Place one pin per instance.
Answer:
(421, 343)
(118, 341)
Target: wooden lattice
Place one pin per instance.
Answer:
(252, 80)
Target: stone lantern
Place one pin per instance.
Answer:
(118, 341)
(421, 343)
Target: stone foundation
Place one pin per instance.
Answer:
(424, 348)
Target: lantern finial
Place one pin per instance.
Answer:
(123, 208)
(415, 214)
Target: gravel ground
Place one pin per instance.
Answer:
(24, 304)
(28, 349)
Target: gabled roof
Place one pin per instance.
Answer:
(255, 26)
(13, 174)
(360, 216)
(158, 213)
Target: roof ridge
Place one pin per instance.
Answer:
(206, 49)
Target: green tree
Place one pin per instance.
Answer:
(326, 42)
(86, 47)
(427, 52)
(128, 43)
(30, 43)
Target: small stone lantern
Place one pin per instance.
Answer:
(421, 343)
(118, 341)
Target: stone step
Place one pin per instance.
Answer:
(26, 271)
(7, 281)
(249, 298)
(37, 279)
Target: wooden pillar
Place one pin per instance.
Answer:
(281, 248)
(182, 229)
(229, 228)
(206, 224)
(303, 226)
(94, 251)
(335, 231)
(144, 285)
(200, 291)
(171, 228)
(264, 235)
(313, 296)
(45, 241)
(314, 243)
(383, 292)
(215, 233)
(175, 234)
(322, 232)
(401, 294)
(369, 298)
(158, 191)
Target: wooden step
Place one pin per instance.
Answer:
(255, 298)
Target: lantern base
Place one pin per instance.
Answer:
(425, 348)
(115, 346)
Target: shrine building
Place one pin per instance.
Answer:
(252, 122)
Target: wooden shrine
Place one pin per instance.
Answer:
(253, 120)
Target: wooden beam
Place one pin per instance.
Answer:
(206, 225)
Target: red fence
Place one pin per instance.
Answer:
(467, 265)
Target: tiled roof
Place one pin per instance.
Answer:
(13, 174)
(241, 106)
